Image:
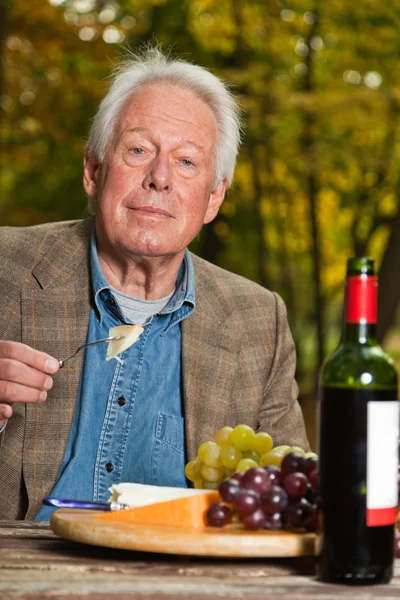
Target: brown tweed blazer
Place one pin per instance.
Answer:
(238, 356)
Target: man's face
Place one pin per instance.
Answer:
(154, 189)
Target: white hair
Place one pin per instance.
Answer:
(152, 66)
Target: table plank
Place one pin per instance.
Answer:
(36, 565)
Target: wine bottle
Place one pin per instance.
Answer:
(358, 443)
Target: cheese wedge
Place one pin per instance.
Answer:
(131, 334)
(140, 494)
(185, 512)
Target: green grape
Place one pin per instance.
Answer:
(193, 470)
(197, 469)
(242, 437)
(209, 454)
(310, 454)
(228, 473)
(253, 455)
(222, 436)
(246, 463)
(230, 457)
(282, 450)
(271, 458)
(262, 443)
(297, 449)
(211, 485)
(198, 484)
(212, 473)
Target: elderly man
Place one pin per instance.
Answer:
(216, 349)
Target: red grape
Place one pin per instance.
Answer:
(256, 479)
(229, 489)
(313, 478)
(294, 462)
(312, 496)
(312, 521)
(311, 464)
(274, 500)
(397, 545)
(398, 485)
(297, 513)
(295, 484)
(246, 502)
(238, 476)
(274, 474)
(218, 515)
(255, 520)
(274, 521)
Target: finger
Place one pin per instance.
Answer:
(6, 412)
(15, 392)
(29, 356)
(17, 372)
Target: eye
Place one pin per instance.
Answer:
(186, 162)
(136, 151)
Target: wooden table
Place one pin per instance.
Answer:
(36, 565)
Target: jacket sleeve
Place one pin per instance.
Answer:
(2, 430)
(280, 407)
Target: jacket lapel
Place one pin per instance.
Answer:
(55, 317)
(210, 344)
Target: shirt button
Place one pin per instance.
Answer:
(121, 401)
(109, 467)
(111, 301)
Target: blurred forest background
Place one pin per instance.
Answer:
(318, 178)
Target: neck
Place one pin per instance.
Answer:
(359, 333)
(148, 278)
(360, 310)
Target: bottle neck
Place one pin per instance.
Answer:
(360, 333)
(360, 311)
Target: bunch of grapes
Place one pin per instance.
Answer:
(261, 486)
(271, 497)
(235, 450)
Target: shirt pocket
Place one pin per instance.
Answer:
(168, 459)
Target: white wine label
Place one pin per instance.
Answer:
(382, 461)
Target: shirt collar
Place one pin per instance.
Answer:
(185, 287)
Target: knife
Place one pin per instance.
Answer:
(108, 506)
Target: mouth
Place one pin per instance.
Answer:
(151, 211)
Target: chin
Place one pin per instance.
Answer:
(147, 249)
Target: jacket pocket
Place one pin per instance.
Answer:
(168, 460)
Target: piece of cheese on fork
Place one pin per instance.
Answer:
(130, 333)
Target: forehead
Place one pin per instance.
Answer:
(171, 108)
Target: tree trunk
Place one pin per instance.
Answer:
(316, 254)
(261, 253)
(389, 281)
(4, 8)
(309, 152)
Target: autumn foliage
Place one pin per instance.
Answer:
(318, 176)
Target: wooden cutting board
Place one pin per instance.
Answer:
(230, 541)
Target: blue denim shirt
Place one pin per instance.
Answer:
(129, 421)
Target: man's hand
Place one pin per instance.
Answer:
(24, 376)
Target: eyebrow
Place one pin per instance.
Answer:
(144, 130)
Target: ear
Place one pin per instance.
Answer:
(90, 174)
(216, 198)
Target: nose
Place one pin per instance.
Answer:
(159, 176)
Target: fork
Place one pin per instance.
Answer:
(108, 339)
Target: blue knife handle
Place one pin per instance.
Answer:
(108, 506)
